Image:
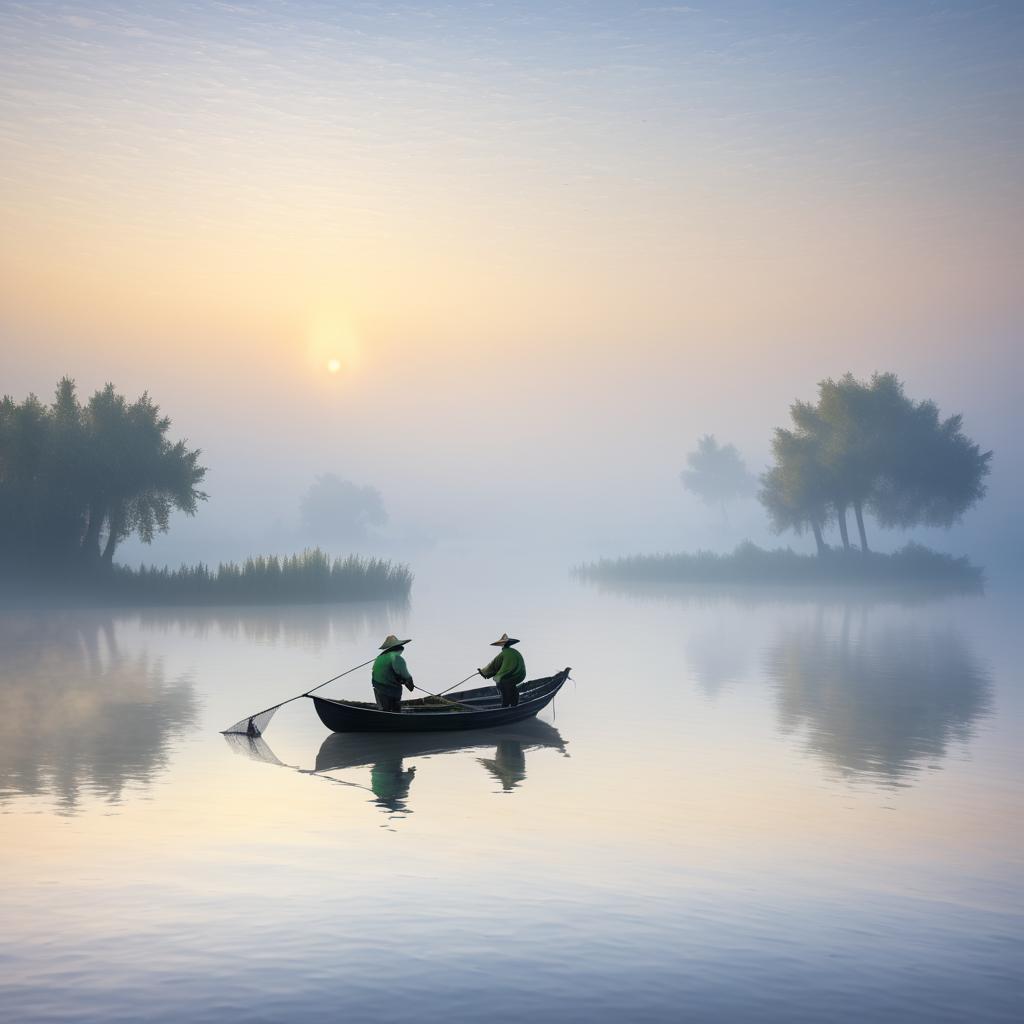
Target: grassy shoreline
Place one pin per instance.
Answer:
(749, 564)
(310, 578)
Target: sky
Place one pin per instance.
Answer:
(506, 261)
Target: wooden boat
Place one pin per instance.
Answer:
(478, 708)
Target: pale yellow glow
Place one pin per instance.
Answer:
(264, 231)
(332, 342)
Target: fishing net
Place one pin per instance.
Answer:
(254, 725)
(252, 746)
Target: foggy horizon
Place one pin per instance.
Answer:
(534, 534)
(507, 270)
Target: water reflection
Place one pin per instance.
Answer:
(316, 626)
(508, 765)
(715, 659)
(77, 716)
(390, 781)
(386, 756)
(877, 698)
(879, 685)
(754, 595)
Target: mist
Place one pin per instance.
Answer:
(576, 468)
(518, 349)
(572, 450)
(572, 465)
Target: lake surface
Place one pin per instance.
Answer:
(749, 805)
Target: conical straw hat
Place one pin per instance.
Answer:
(392, 641)
(505, 641)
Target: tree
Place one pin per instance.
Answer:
(716, 473)
(337, 509)
(932, 474)
(25, 443)
(72, 477)
(848, 435)
(857, 424)
(867, 446)
(795, 491)
(819, 461)
(138, 477)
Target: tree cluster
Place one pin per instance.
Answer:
(337, 509)
(76, 480)
(866, 446)
(716, 473)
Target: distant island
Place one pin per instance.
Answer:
(862, 446)
(76, 480)
(749, 563)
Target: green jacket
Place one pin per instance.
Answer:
(507, 667)
(390, 673)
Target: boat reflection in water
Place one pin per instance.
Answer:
(386, 755)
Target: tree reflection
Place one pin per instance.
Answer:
(877, 698)
(78, 716)
(715, 659)
(314, 626)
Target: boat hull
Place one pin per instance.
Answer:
(483, 710)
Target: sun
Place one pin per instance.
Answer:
(333, 348)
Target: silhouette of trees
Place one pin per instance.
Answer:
(77, 480)
(336, 509)
(794, 490)
(866, 446)
(716, 473)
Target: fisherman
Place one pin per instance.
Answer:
(390, 674)
(507, 670)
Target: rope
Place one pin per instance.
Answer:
(454, 703)
(459, 683)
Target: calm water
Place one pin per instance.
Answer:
(748, 806)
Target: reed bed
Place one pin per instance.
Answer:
(312, 577)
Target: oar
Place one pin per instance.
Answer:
(250, 727)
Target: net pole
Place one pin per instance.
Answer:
(248, 726)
